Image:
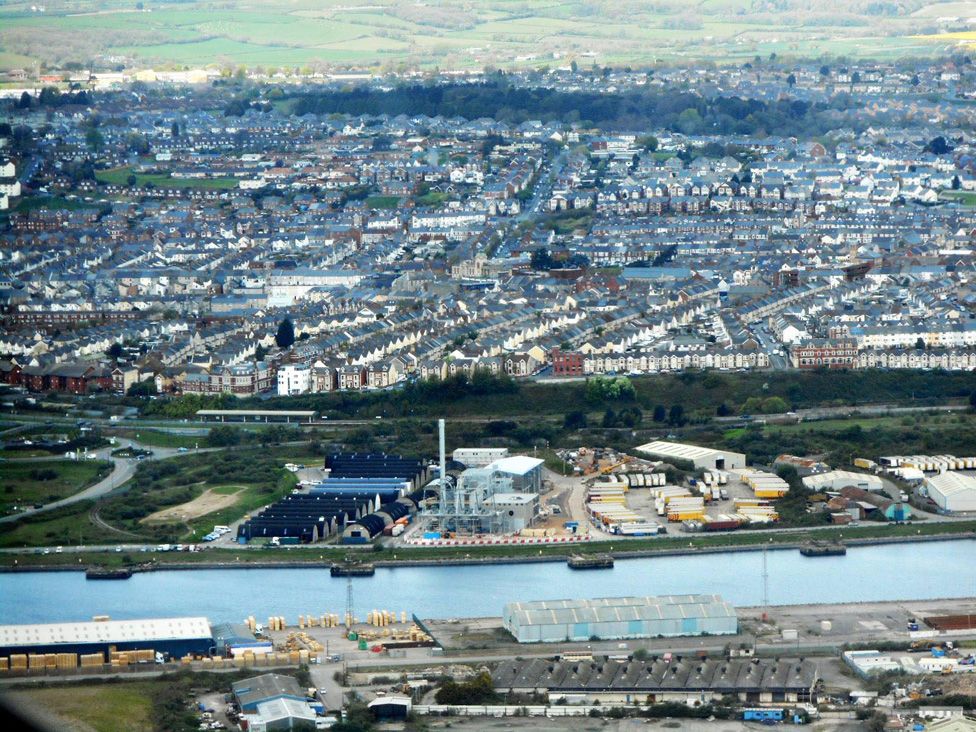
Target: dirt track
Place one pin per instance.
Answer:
(206, 502)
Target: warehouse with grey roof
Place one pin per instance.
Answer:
(702, 458)
(552, 621)
(656, 680)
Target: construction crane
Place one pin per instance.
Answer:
(611, 468)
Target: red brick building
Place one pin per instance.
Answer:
(823, 353)
(75, 378)
(10, 372)
(566, 363)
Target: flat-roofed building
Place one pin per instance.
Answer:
(551, 621)
(525, 472)
(255, 415)
(175, 636)
(478, 457)
(703, 458)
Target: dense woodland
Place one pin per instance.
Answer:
(679, 111)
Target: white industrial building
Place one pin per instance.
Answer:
(176, 636)
(868, 663)
(281, 714)
(553, 621)
(294, 378)
(834, 480)
(517, 510)
(952, 492)
(499, 498)
(478, 457)
(703, 458)
(525, 472)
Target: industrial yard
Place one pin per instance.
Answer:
(775, 657)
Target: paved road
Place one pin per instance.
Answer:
(863, 410)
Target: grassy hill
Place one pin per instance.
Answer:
(468, 33)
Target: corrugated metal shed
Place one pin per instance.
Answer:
(619, 617)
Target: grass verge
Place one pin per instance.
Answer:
(319, 554)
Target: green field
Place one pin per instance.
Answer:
(24, 483)
(119, 177)
(385, 34)
(70, 524)
(966, 198)
(383, 202)
(121, 707)
(254, 474)
(162, 485)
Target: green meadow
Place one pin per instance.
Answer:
(288, 33)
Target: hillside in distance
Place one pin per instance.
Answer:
(386, 35)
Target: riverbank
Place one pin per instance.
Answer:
(324, 557)
(480, 590)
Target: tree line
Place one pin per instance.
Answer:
(678, 111)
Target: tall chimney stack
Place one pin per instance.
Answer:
(440, 430)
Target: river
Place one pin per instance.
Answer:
(910, 571)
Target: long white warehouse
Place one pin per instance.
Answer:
(552, 621)
(952, 492)
(703, 458)
(834, 480)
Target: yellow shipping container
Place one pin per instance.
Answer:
(690, 515)
(4, 663)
